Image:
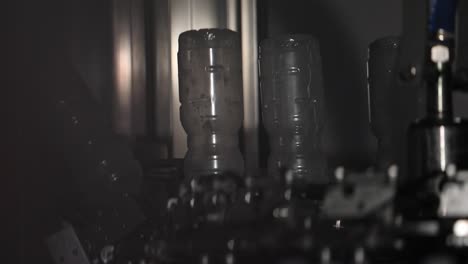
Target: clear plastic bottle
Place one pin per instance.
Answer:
(291, 88)
(211, 112)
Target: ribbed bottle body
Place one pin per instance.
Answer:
(210, 90)
(292, 105)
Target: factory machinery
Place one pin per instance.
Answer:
(410, 207)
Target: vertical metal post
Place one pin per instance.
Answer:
(232, 14)
(162, 94)
(250, 82)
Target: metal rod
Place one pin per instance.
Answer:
(250, 82)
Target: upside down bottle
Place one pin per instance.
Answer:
(211, 112)
(292, 106)
(382, 56)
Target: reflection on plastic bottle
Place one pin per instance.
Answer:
(292, 102)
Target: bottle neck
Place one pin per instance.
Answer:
(439, 77)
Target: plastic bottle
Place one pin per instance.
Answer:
(211, 112)
(292, 106)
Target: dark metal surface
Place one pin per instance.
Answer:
(413, 42)
(381, 66)
(461, 46)
(433, 147)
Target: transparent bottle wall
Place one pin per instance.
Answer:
(211, 112)
(292, 105)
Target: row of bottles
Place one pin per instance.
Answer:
(210, 77)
